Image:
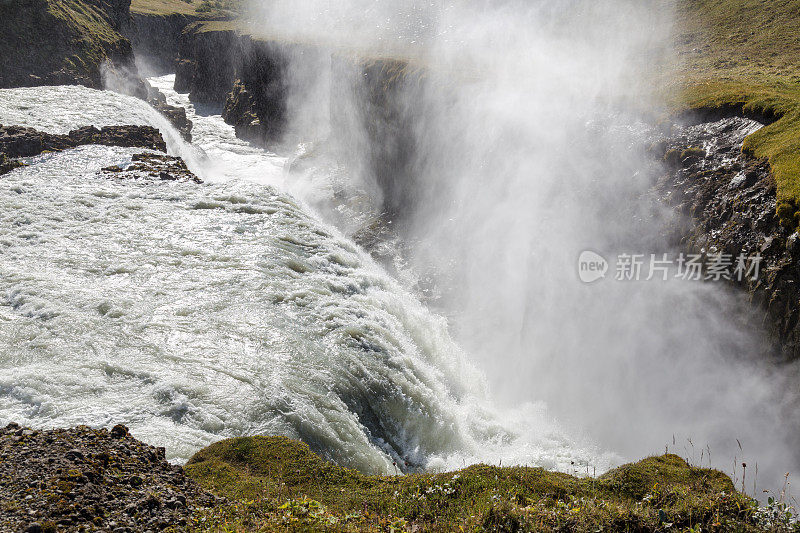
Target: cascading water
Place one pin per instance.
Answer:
(525, 139)
(194, 312)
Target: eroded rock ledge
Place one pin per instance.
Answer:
(153, 167)
(19, 141)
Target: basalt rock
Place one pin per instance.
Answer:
(176, 115)
(219, 65)
(66, 42)
(84, 479)
(153, 167)
(156, 37)
(208, 63)
(725, 202)
(7, 164)
(19, 141)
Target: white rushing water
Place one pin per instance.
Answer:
(196, 312)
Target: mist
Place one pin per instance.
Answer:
(522, 145)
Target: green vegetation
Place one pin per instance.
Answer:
(80, 36)
(165, 7)
(274, 483)
(745, 54)
(231, 7)
(201, 8)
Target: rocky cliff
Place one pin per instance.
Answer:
(155, 38)
(725, 203)
(83, 44)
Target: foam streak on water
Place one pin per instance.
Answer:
(195, 312)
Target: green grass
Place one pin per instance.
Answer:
(274, 483)
(745, 54)
(79, 36)
(199, 8)
(165, 7)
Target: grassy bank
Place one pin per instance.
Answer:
(745, 55)
(274, 483)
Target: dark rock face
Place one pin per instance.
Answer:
(249, 77)
(156, 38)
(154, 167)
(208, 63)
(18, 141)
(176, 115)
(369, 99)
(725, 203)
(66, 42)
(387, 113)
(87, 479)
(256, 106)
(240, 111)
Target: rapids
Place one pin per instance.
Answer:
(195, 312)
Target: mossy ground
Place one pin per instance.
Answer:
(274, 483)
(745, 54)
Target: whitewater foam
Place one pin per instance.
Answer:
(196, 312)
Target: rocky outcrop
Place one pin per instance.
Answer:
(88, 479)
(153, 167)
(220, 65)
(209, 60)
(256, 105)
(7, 164)
(155, 38)
(176, 115)
(66, 42)
(725, 202)
(19, 141)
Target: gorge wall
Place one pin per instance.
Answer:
(257, 80)
(724, 202)
(84, 43)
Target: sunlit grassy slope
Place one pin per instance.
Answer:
(746, 54)
(277, 484)
(201, 8)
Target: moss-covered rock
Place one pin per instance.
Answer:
(276, 483)
(59, 42)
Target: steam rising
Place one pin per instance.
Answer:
(521, 147)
